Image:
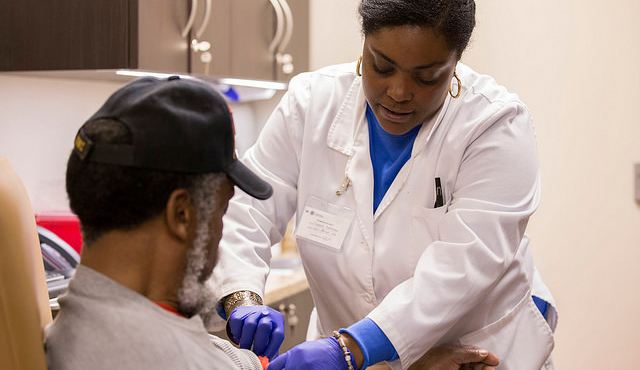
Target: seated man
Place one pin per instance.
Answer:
(150, 177)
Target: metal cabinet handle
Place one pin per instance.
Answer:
(285, 60)
(289, 25)
(192, 18)
(197, 45)
(293, 318)
(289, 313)
(279, 27)
(205, 20)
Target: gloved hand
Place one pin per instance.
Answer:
(261, 326)
(322, 354)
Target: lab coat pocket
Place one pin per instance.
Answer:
(521, 339)
(424, 228)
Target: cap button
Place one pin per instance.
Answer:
(171, 78)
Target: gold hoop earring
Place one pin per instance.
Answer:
(459, 83)
(358, 66)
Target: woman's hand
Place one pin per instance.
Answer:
(456, 357)
(322, 354)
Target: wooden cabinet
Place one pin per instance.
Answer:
(296, 310)
(38, 35)
(96, 34)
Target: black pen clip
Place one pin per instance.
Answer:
(439, 196)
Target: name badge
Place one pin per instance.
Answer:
(324, 223)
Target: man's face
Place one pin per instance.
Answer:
(214, 228)
(203, 255)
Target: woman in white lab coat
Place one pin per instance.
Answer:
(412, 179)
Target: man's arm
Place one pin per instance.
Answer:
(329, 354)
(442, 357)
(454, 357)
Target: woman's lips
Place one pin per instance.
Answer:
(394, 116)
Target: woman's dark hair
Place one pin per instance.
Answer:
(453, 19)
(108, 197)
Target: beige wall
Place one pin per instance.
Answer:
(335, 32)
(575, 64)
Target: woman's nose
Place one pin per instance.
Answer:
(399, 89)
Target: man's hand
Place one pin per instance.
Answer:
(456, 357)
(260, 326)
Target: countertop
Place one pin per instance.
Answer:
(286, 279)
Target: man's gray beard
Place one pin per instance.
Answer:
(195, 297)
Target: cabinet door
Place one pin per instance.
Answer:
(158, 44)
(252, 29)
(297, 311)
(240, 33)
(215, 32)
(298, 46)
(95, 34)
(63, 34)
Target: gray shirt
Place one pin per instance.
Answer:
(104, 325)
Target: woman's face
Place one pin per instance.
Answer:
(406, 74)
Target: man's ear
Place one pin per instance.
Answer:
(180, 214)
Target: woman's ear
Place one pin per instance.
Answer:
(180, 214)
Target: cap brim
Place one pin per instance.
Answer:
(248, 181)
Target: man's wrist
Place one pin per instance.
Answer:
(240, 298)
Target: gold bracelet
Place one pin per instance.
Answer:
(240, 298)
(345, 350)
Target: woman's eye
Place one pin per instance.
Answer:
(425, 81)
(382, 71)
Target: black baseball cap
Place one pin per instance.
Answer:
(178, 125)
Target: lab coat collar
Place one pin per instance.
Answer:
(349, 119)
(349, 134)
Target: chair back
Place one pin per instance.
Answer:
(24, 301)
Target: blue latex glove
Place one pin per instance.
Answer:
(322, 354)
(261, 326)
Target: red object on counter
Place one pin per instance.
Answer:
(64, 224)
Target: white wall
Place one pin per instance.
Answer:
(39, 118)
(38, 121)
(575, 64)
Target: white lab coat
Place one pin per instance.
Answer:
(460, 273)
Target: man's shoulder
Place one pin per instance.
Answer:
(124, 331)
(89, 333)
(133, 342)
